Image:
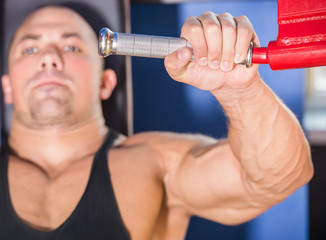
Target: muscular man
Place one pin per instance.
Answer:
(66, 176)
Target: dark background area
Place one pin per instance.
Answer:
(317, 195)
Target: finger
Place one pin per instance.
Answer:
(176, 63)
(213, 36)
(193, 31)
(229, 36)
(245, 35)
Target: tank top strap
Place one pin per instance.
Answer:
(101, 154)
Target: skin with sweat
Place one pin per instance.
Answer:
(56, 84)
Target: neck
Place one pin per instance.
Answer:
(54, 149)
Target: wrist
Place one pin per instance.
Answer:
(239, 100)
(238, 89)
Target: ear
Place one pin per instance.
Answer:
(108, 83)
(6, 88)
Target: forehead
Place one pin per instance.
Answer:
(59, 18)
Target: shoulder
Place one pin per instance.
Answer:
(168, 140)
(164, 147)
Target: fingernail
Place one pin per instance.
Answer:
(225, 66)
(202, 61)
(237, 58)
(215, 64)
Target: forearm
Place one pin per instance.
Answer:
(267, 140)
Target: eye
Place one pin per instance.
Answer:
(30, 50)
(71, 49)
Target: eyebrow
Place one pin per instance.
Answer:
(70, 35)
(38, 36)
(29, 37)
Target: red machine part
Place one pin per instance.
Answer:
(301, 40)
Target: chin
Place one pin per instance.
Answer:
(51, 112)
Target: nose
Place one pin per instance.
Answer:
(51, 59)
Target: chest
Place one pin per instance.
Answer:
(42, 202)
(45, 204)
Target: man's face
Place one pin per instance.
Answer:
(54, 69)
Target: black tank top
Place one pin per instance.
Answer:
(95, 217)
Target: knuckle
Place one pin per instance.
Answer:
(212, 28)
(195, 29)
(227, 21)
(226, 15)
(190, 19)
(242, 18)
(208, 14)
(192, 26)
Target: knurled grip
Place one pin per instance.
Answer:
(148, 46)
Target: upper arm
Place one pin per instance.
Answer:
(207, 180)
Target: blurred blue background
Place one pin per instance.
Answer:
(162, 104)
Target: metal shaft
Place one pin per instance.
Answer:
(144, 45)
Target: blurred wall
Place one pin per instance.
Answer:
(162, 104)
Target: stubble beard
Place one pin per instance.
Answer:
(52, 109)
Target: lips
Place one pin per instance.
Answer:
(49, 83)
(49, 78)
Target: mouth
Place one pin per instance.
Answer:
(49, 83)
(50, 78)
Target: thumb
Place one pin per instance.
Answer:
(177, 62)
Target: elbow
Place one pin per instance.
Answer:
(300, 176)
(311, 173)
(284, 184)
(301, 171)
(307, 171)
